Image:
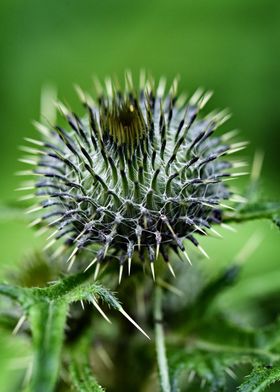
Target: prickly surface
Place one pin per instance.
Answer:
(140, 172)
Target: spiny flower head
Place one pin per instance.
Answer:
(138, 174)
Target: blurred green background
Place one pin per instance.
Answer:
(229, 46)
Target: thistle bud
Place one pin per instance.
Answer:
(140, 172)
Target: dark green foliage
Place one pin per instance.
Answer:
(83, 379)
(261, 378)
(213, 351)
(207, 349)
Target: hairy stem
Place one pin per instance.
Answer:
(47, 319)
(253, 211)
(63, 286)
(160, 343)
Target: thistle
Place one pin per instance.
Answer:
(135, 176)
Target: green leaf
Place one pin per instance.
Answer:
(204, 368)
(83, 379)
(210, 358)
(260, 378)
(212, 290)
(191, 315)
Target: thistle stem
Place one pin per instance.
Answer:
(160, 343)
(47, 320)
